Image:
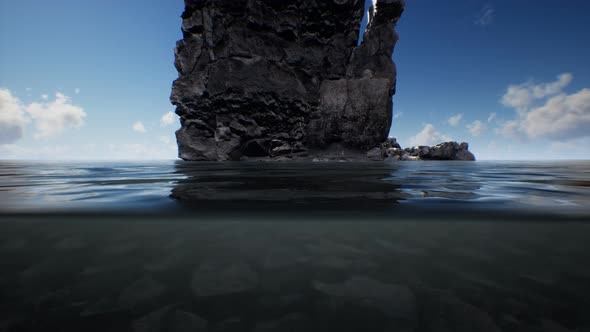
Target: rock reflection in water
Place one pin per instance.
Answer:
(96, 274)
(287, 188)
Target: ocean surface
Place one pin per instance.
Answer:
(412, 246)
(560, 189)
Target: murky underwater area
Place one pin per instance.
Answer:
(295, 247)
(157, 274)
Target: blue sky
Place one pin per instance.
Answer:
(91, 79)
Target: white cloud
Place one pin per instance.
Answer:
(45, 97)
(491, 117)
(486, 16)
(168, 119)
(476, 128)
(562, 116)
(553, 88)
(428, 136)
(139, 127)
(455, 119)
(77, 91)
(397, 115)
(510, 129)
(12, 118)
(53, 117)
(521, 96)
(518, 97)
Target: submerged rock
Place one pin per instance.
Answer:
(183, 321)
(152, 322)
(221, 278)
(168, 319)
(290, 322)
(101, 307)
(143, 290)
(233, 324)
(271, 79)
(395, 301)
(445, 312)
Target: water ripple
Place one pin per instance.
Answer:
(560, 187)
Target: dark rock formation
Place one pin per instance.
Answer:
(392, 151)
(283, 78)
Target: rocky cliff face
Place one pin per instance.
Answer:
(284, 78)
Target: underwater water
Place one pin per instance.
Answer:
(174, 246)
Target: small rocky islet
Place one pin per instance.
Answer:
(290, 80)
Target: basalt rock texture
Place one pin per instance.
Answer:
(392, 151)
(284, 78)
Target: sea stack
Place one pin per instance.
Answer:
(284, 79)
